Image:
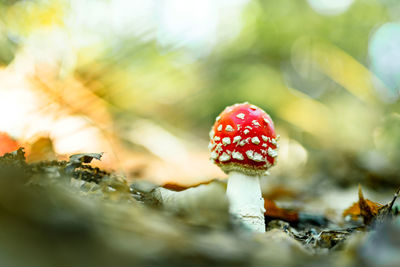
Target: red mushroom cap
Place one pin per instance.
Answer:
(243, 139)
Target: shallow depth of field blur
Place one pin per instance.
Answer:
(144, 80)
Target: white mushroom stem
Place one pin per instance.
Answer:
(245, 200)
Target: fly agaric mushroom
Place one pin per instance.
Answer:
(244, 145)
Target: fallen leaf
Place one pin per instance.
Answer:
(175, 187)
(85, 157)
(273, 212)
(180, 187)
(386, 211)
(41, 149)
(7, 144)
(331, 238)
(76, 160)
(369, 210)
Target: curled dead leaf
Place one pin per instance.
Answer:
(175, 186)
(7, 144)
(369, 210)
(273, 212)
(41, 149)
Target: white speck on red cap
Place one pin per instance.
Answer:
(229, 128)
(224, 157)
(240, 116)
(226, 141)
(214, 155)
(211, 146)
(256, 123)
(218, 148)
(255, 140)
(211, 134)
(236, 139)
(258, 157)
(250, 154)
(272, 152)
(237, 155)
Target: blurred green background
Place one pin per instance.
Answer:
(143, 81)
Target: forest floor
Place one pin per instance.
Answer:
(68, 213)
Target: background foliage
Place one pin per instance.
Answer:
(138, 71)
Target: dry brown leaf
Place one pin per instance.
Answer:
(7, 144)
(174, 186)
(369, 210)
(364, 207)
(272, 211)
(41, 149)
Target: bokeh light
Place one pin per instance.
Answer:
(384, 52)
(328, 7)
(144, 80)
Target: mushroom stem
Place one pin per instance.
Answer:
(245, 200)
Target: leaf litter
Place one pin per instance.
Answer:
(72, 205)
